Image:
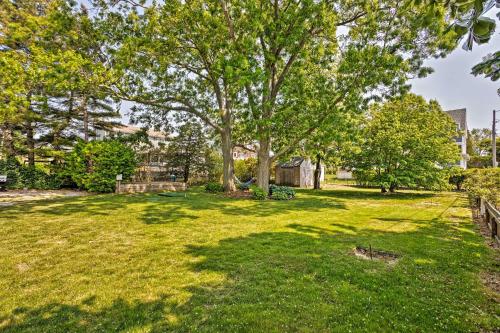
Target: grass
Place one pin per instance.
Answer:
(146, 263)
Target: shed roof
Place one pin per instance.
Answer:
(294, 162)
(459, 116)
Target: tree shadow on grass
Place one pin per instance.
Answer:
(302, 279)
(367, 194)
(167, 210)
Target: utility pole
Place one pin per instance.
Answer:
(493, 140)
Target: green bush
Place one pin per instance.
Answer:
(93, 166)
(483, 183)
(281, 192)
(24, 176)
(214, 187)
(280, 196)
(457, 177)
(258, 193)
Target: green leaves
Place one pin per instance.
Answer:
(93, 166)
(489, 67)
(406, 142)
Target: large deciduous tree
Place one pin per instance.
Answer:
(248, 62)
(406, 142)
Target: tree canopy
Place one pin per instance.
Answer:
(406, 142)
(261, 71)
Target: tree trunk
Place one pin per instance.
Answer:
(383, 189)
(228, 162)
(392, 188)
(30, 143)
(264, 163)
(317, 173)
(85, 113)
(186, 173)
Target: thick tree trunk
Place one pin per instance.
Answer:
(317, 173)
(392, 188)
(228, 162)
(85, 112)
(186, 173)
(264, 164)
(383, 189)
(30, 143)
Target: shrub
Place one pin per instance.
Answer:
(280, 196)
(281, 192)
(214, 187)
(25, 176)
(484, 183)
(258, 193)
(457, 177)
(94, 165)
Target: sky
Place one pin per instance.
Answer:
(454, 87)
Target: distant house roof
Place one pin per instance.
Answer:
(127, 129)
(460, 117)
(294, 162)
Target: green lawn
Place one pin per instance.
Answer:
(146, 263)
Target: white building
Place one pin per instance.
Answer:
(460, 118)
(155, 137)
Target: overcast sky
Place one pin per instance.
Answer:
(454, 87)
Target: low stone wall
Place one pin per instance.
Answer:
(150, 187)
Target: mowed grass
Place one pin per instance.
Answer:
(206, 263)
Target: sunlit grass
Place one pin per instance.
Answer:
(141, 263)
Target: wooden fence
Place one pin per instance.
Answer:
(491, 216)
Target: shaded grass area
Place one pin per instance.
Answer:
(146, 263)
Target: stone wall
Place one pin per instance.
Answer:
(150, 187)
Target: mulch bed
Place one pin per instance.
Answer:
(239, 194)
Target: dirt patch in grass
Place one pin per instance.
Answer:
(11, 197)
(369, 253)
(239, 194)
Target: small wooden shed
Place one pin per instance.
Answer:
(298, 171)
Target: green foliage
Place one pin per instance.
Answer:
(213, 187)
(314, 62)
(93, 166)
(24, 176)
(479, 148)
(189, 153)
(489, 67)
(245, 169)
(279, 196)
(281, 192)
(405, 142)
(258, 193)
(471, 21)
(484, 183)
(457, 177)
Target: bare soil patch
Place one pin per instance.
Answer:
(369, 253)
(239, 194)
(11, 197)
